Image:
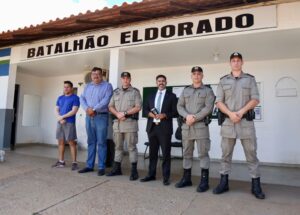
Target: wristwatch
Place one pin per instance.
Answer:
(125, 113)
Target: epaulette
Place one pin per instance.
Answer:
(187, 86)
(207, 86)
(224, 76)
(249, 75)
(136, 89)
(117, 89)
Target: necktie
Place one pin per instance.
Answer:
(158, 104)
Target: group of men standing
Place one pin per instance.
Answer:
(237, 95)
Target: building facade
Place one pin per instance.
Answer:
(267, 34)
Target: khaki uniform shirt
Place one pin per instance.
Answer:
(235, 93)
(124, 100)
(198, 102)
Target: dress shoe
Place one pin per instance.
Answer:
(85, 170)
(101, 172)
(148, 178)
(166, 181)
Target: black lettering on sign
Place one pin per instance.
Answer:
(67, 49)
(204, 26)
(49, 48)
(40, 51)
(77, 45)
(102, 41)
(151, 33)
(31, 53)
(135, 36)
(58, 48)
(89, 43)
(185, 28)
(223, 23)
(244, 20)
(124, 36)
(168, 31)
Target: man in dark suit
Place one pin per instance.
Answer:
(160, 107)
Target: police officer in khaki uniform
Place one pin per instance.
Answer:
(195, 105)
(237, 96)
(125, 105)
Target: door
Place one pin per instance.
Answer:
(14, 124)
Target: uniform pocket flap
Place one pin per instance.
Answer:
(227, 86)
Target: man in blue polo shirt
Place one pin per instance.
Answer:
(66, 108)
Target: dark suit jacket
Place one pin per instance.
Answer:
(169, 107)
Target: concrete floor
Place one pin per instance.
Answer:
(28, 185)
(282, 175)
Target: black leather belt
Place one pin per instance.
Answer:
(101, 113)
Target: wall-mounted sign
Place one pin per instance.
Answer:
(286, 87)
(172, 29)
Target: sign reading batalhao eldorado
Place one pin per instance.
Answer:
(180, 28)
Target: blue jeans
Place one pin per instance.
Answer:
(96, 129)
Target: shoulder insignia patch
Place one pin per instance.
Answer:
(116, 90)
(224, 76)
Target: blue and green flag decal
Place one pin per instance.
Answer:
(4, 61)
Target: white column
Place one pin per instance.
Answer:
(7, 88)
(11, 86)
(116, 66)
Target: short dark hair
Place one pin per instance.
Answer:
(69, 83)
(161, 76)
(97, 69)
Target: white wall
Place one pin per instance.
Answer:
(48, 89)
(31, 85)
(7, 86)
(278, 132)
(3, 92)
(52, 88)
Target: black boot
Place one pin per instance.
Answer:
(256, 189)
(203, 186)
(223, 185)
(185, 180)
(134, 173)
(116, 170)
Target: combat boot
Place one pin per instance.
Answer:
(185, 180)
(223, 185)
(116, 170)
(134, 173)
(256, 189)
(203, 186)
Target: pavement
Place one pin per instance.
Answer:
(28, 185)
